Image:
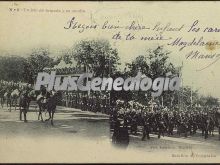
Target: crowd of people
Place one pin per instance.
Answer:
(153, 119)
(13, 93)
(131, 116)
(10, 89)
(85, 102)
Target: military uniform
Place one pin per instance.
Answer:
(146, 127)
(23, 106)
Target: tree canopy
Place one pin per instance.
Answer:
(96, 56)
(36, 62)
(100, 58)
(12, 68)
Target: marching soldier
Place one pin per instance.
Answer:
(146, 127)
(23, 105)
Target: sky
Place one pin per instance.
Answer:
(41, 24)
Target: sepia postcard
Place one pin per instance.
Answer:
(109, 82)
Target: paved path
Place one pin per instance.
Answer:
(81, 136)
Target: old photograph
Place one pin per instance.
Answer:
(109, 82)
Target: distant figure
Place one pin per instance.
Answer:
(51, 105)
(120, 136)
(23, 105)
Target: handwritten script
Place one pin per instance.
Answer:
(195, 39)
(161, 33)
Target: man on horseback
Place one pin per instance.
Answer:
(42, 101)
(51, 105)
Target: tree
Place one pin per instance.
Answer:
(36, 62)
(188, 97)
(96, 56)
(209, 101)
(154, 63)
(66, 56)
(139, 64)
(12, 68)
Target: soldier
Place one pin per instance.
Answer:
(84, 103)
(74, 101)
(171, 123)
(71, 99)
(2, 92)
(23, 105)
(43, 90)
(205, 125)
(146, 127)
(98, 105)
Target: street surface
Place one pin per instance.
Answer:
(82, 136)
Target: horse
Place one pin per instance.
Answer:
(11, 98)
(14, 98)
(42, 104)
(51, 106)
(6, 98)
(31, 96)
